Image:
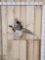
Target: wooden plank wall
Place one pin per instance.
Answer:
(27, 47)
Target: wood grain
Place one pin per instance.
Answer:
(37, 21)
(30, 51)
(10, 21)
(30, 20)
(23, 49)
(4, 29)
(37, 50)
(16, 43)
(23, 19)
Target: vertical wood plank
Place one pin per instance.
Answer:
(0, 34)
(17, 15)
(23, 49)
(37, 30)
(10, 10)
(37, 50)
(17, 12)
(10, 21)
(16, 43)
(38, 19)
(10, 13)
(15, 50)
(30, 20)
(22, 18)
(4, 31)
(30, 26)
(44, 51)
(30, 50)
(0, 31)
(23, 15)
(17, 46)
